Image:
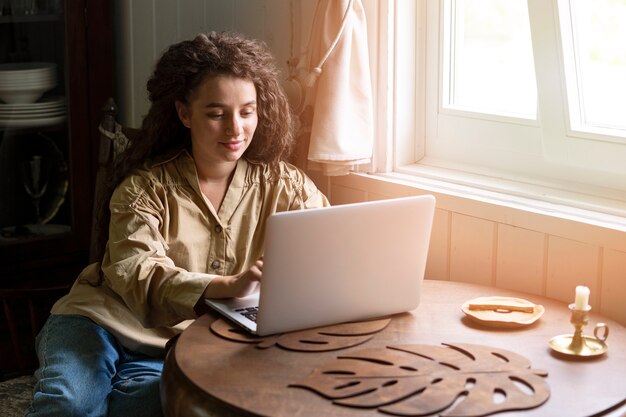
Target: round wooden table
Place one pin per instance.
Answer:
(206, 374)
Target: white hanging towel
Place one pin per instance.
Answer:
(339, 89)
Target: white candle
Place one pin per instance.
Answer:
(582, 298)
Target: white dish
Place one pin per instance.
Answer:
(35, 122)
(503, 317)
(17, 86)
(40, 115)
(11, 68)
(26, 96)
(26, 82)
(44, 103)
(23, 75)
(33, 114)
(9, 112)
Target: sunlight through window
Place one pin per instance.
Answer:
(490, 61)
(594, 36)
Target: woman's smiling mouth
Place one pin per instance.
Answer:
(234, 145)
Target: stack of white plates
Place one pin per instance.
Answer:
(46, 112)
(25, 82)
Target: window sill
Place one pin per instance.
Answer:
(547, 201)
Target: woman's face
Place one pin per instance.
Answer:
(222, 117)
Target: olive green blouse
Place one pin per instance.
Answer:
(166, 243)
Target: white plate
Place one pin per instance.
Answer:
(40, 115)
(36, 122)
(503, 317)
(26, 67)
(26, 82)
(6, 108)
(44, 103)
(35, 112)
(49, 111)
(9, 112)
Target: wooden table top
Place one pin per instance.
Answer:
(209, 375)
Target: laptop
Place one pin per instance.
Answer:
(337, 264)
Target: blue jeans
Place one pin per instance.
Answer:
(84, 371)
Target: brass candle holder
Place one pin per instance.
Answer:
(578, 344)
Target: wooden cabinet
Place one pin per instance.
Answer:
(49, 147)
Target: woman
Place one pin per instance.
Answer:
(186, 222)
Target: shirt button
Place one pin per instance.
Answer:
(218, 229)
(215, 264)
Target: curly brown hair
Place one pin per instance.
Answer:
(179, 71)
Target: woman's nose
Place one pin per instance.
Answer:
(234, 126)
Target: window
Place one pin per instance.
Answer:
(595, 64)
(488, 62)
(513, 95)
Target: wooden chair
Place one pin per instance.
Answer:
(26, 309)
(113, 140)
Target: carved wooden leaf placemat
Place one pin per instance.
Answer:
(320, 339)
(416, 380)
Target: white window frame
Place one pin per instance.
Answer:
(405, 37)
(577, 129)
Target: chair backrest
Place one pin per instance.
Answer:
(113, 140)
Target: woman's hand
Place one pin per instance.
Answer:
(238, 285)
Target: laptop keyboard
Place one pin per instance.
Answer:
(249, 312)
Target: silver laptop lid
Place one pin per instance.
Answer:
(343, 263)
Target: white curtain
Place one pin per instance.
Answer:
(336, 109)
